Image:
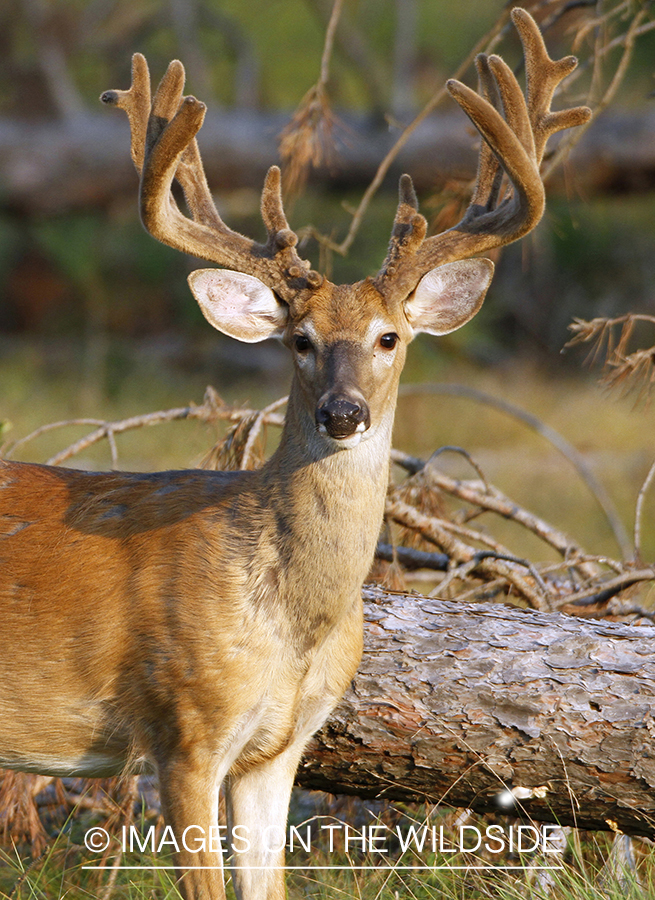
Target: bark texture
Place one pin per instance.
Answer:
(457, 703)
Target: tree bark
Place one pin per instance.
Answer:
(457, 703)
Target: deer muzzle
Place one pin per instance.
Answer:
(341, 417)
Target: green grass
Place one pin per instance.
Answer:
(583, 875)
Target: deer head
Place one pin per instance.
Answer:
(349, 341)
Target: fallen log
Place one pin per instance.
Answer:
(459, 704)
(51, 167)
(486, 707)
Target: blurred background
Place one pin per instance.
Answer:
(96, 319)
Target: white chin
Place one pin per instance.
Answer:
(346, 443)
(349, 442)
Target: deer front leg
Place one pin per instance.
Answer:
(257, 808)
(188, 787)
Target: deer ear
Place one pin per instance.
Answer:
(448, 296)
(239, 305)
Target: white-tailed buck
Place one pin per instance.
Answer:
(205, 623)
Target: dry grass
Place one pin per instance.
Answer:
(626, 367)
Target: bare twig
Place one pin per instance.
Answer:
(329, 41)
(212, 409)
(305, 140)
(486, 43)
(639, 509)
(602, 48)
(255, 430)
(410, 558)
(626, 40)
(491, 566)
(490, 498)
(628, 370)
(467, 456)
(11, 448)
(602, 591)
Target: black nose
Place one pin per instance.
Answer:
(341, 418)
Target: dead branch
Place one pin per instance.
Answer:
(603, 591)
(485, 44)
(630, 370)
(305, 141)
(465, 559)
(212, 409)
(639, 508)
(489, 498)
(627, 41)
(601, 50)
(412, 559)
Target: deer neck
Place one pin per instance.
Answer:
(332, 500)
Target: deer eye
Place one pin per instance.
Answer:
(389, 341)
(301, 343)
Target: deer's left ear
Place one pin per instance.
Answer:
(448, 296)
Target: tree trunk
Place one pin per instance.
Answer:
(456, 702)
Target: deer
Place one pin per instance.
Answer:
(203, 624)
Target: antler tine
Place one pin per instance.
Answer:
(281, 239)
(543, 75)
(136, 103)
(408, 231)
(189, 172)
(164, 147)
(490, 172)
(514, 133)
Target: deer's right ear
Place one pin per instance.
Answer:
(238, 305)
